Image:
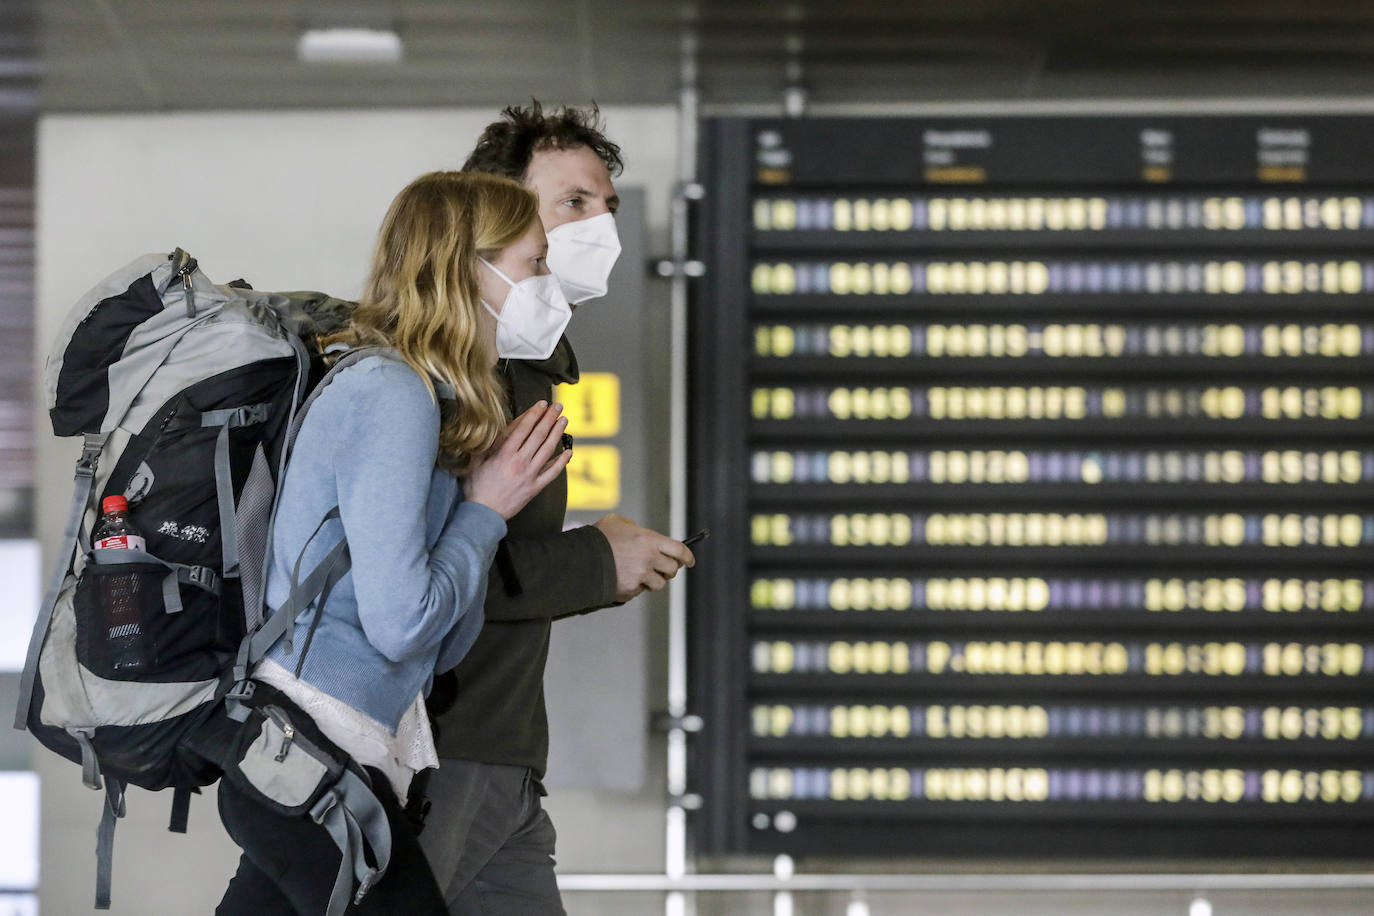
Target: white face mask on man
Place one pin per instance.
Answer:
(532, 319)
(581, 255)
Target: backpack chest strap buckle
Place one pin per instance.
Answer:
(92, 444)
(200, 576)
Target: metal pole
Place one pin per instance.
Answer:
(677, 902)
(1283, 105)
(1198, 884)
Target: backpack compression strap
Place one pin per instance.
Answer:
(91, 446)
(178, 574)
(351, 813)
(104, 840)
(231, 418)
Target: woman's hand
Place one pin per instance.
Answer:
(521, 463)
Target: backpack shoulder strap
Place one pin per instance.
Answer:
(321, 580)
(265, 634)
(344, 361)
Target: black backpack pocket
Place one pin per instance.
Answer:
(146, 621)
(279, 756)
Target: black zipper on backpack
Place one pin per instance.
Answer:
(152, 446)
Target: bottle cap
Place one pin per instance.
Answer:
(114, 504)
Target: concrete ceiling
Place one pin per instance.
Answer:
(136, 55)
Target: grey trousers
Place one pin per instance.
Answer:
(489, 841)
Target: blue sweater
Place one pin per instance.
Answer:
(411, 604)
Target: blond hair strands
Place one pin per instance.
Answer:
(422, 299)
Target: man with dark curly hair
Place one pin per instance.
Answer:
(487, 836)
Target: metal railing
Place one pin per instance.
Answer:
(785, 882)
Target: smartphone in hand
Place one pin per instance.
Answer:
(699, 536)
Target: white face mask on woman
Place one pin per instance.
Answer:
(581, 255)
(532, 318)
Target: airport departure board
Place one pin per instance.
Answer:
(1038, 454)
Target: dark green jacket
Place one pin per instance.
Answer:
(541, 573)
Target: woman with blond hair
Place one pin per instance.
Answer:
(411, 444)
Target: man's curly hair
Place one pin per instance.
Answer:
(506, 146)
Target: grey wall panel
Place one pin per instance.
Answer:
(596, 676)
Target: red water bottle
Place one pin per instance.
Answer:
(119, 592)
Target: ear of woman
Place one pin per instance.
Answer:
(520, 260)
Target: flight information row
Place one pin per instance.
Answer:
(1064, 340)
(1049, 595)
(1063, 402)
(1104, 213)
(1043, 784)
(1060, 276)
(1068, 657)
(1056, 529)
(1030, 721)
(1014, 466)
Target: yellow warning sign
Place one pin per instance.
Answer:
(592, 406)
(594, 477)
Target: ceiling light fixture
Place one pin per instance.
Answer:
(349, 46)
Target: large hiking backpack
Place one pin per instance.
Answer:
(187, 395)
